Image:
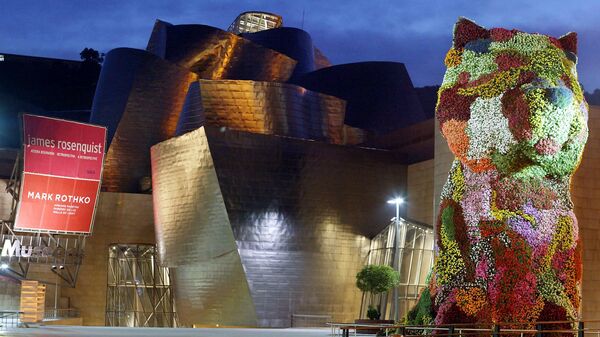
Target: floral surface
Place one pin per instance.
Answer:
(513, 114)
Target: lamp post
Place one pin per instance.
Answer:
(396, 201)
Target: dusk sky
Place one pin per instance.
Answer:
(417, 33)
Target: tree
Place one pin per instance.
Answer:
(90, 55)
(376, 279)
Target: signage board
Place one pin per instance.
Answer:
(62, 170)
(35, 250)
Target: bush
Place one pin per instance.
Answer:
(376, 279)
(373, 313)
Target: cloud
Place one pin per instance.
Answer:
(417, 33)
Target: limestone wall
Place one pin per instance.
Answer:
(442, 161)
(585, 192)
(420, 191)
(121, 218)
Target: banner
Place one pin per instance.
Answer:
(62, 169)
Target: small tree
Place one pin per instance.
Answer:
(375, 279)
(90, 55)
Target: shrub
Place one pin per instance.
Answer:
(377, 279)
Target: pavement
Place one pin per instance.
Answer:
(85, 331)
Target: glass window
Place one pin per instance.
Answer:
(139, 291)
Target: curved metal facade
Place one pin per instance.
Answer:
(321, 61)
(380, 95)
(266, 108)
(213, 53)
(293, 211)
(139, 98)
(143, 100)
(289, 41)
(258, 210)
(195, 235)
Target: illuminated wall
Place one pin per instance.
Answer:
(139, 98)
(266, 108)
(283, 223)
(216, 54)
(263, 207)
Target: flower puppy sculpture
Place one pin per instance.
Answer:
(514, 116)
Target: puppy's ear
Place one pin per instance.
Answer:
(466, 31)
(569, 42)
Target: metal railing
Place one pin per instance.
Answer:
(52, 314)
(10, 319)
(309, 321)
(530, 329)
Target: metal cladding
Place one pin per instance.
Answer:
(213, 53)
(139, 98)
(368, 88)
(195, 235)
(289, 41)
(192, 113)
(214, 292)
(187, 162)
(264, 107)
(321, 61)
(259, 211)
(298, 215)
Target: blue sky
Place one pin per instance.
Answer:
(417, 33)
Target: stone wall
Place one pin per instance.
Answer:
(585, 192)
(5, 201)
(420, 182)
(120, 218)
(442, 161)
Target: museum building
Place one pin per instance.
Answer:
(246, 182)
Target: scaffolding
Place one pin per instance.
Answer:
(139, 292)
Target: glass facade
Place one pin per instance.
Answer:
(415, 259)
(252, 22)
(139, 292)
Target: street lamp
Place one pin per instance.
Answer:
(396, 201)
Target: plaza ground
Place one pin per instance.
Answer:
(81, 331)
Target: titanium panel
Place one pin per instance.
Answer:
(354, 136)
(190, 216)
(289, 41)
(192, 114)
(300, 215)
(157, 43)
(139, 98)
(269, 108)
(321, 61)
(194, 235)
(380, 95)
(214, 292)
(213, 53)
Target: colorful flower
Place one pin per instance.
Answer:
(514, 116)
